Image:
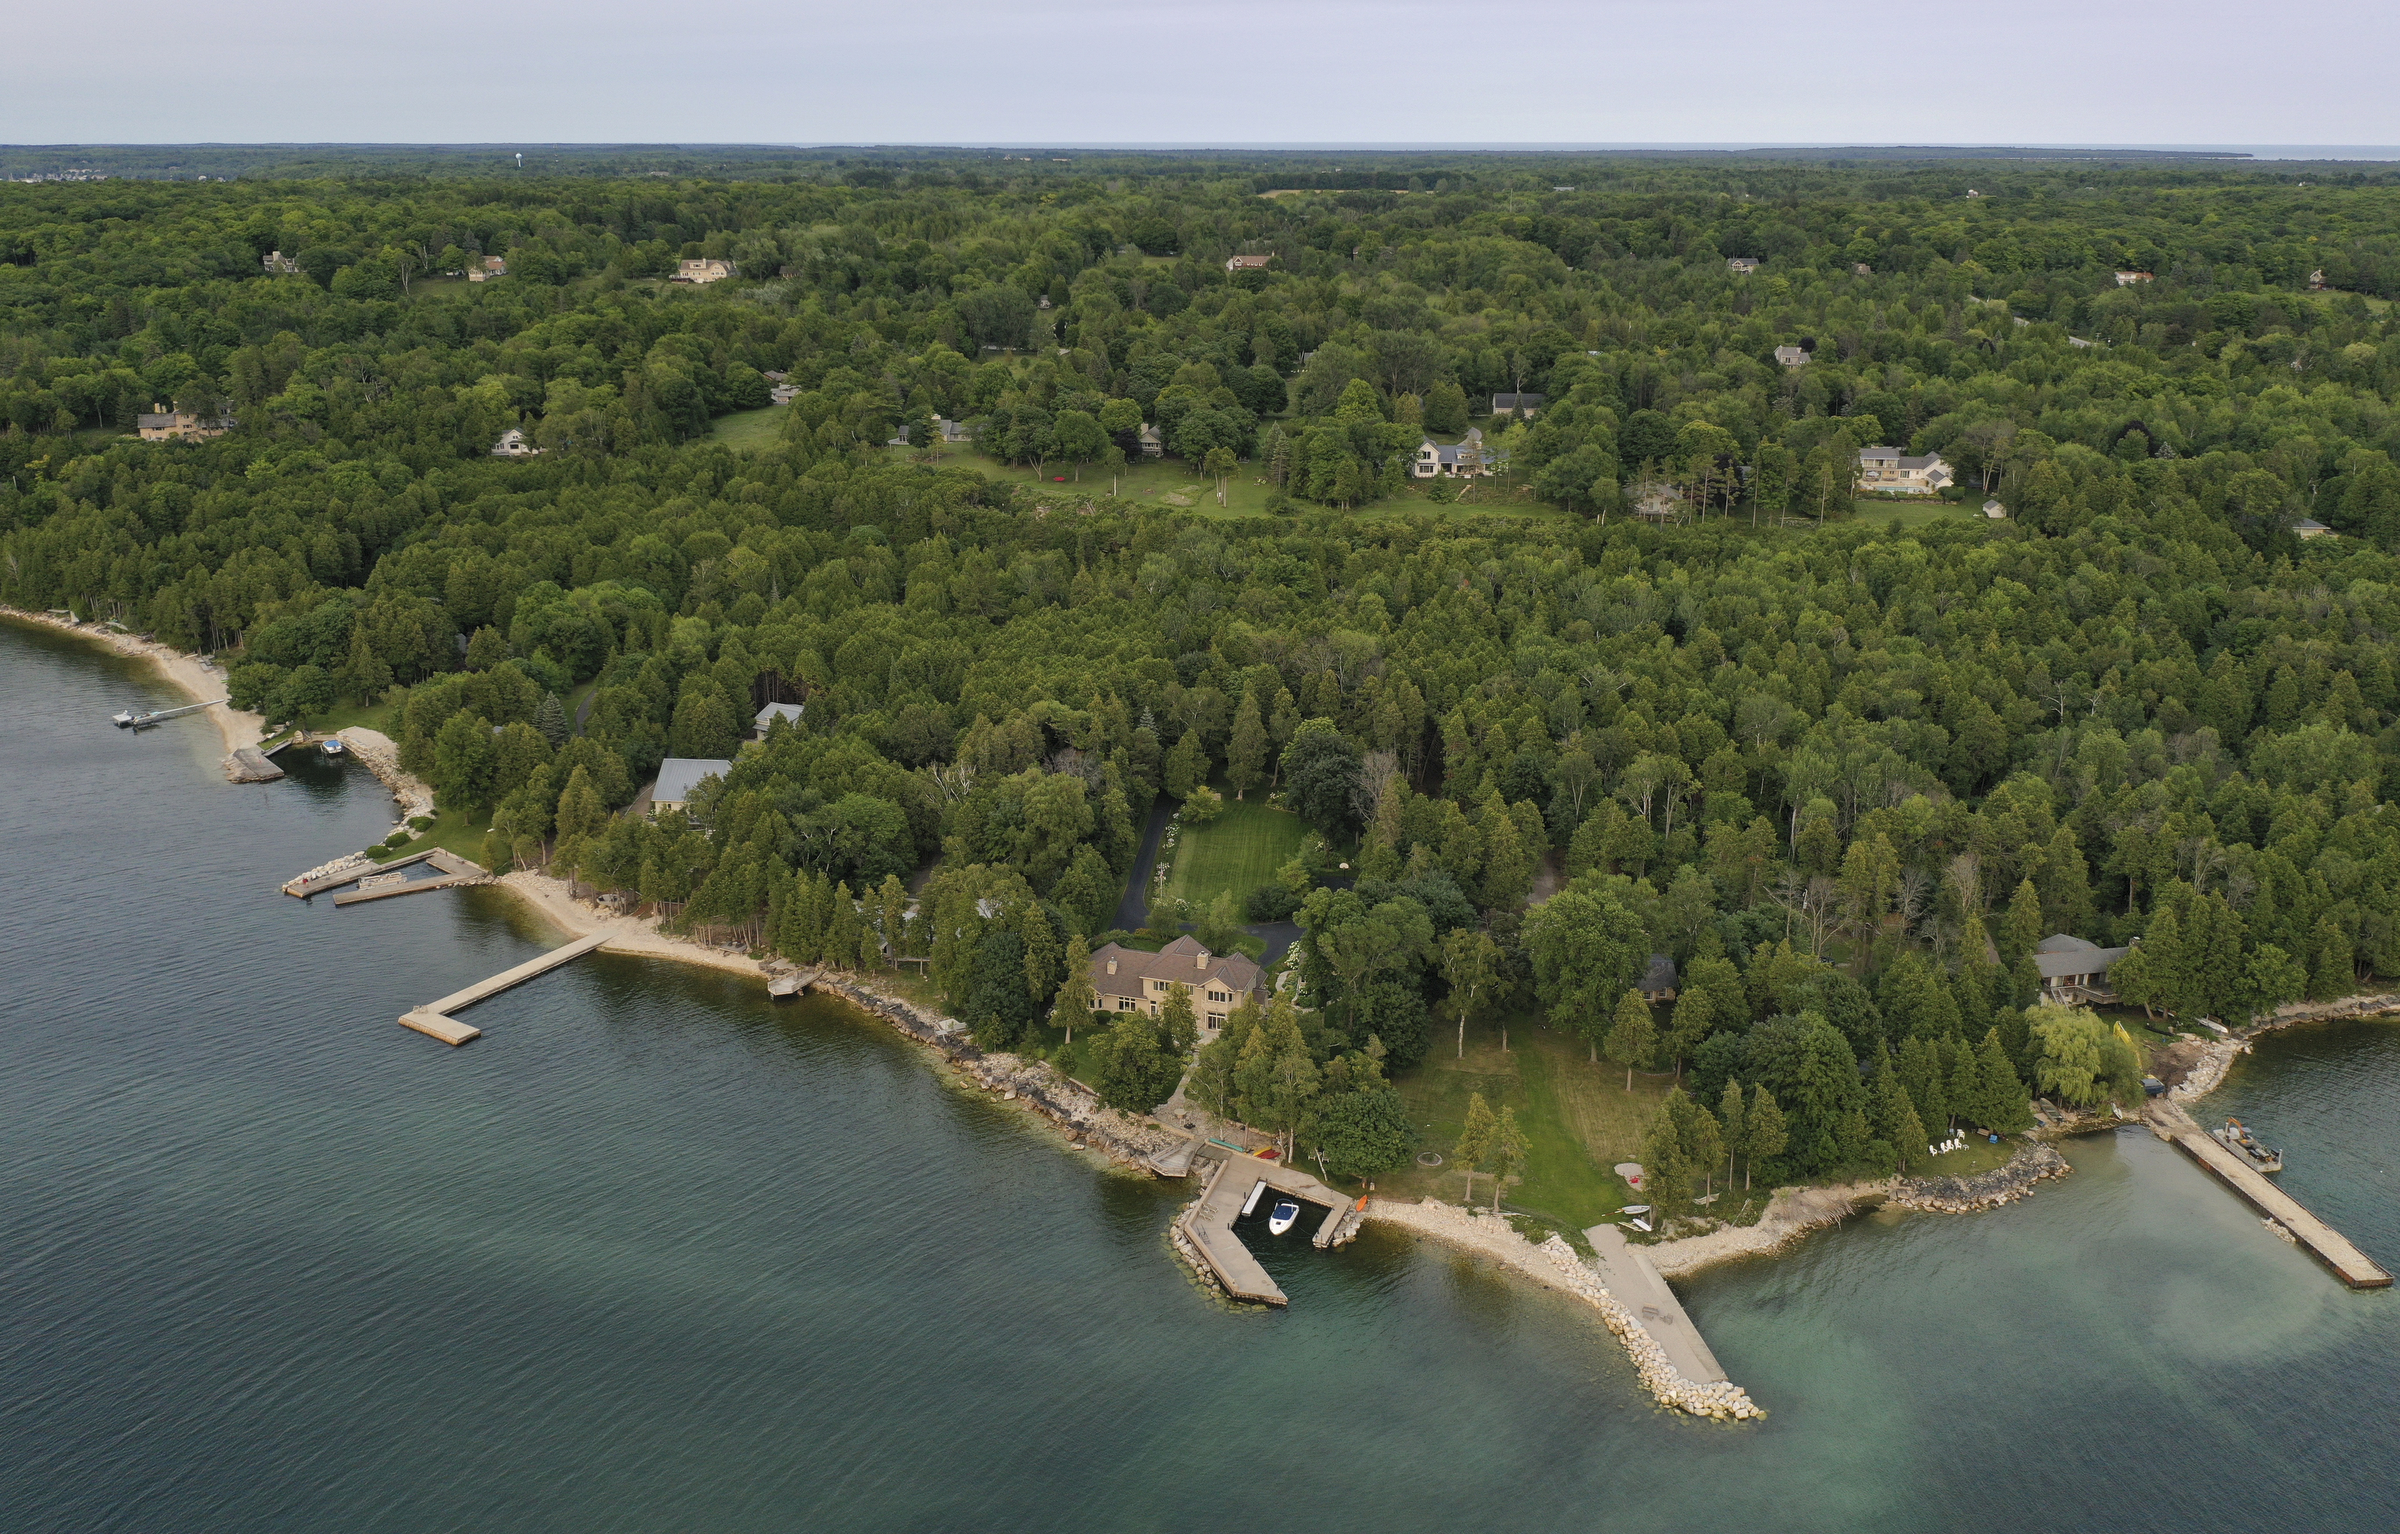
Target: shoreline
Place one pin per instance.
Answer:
(2214, 1059)
(197, 679)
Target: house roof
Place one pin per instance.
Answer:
(775, 711)
(2062, 954)
(1894, 455)
(1235, 262)
(1517, 401)
(679, 775)
(1660, 976)
(1183, 961)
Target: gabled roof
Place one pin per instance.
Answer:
(1183, 962)
(679, 775)
(1660, 976)
(775, 711)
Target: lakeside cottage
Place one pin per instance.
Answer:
(679, 777)
(2074, 969)
(1128, 980)
(1888, 469)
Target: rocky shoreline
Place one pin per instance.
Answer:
(2208, 1069)
(2031, 1166)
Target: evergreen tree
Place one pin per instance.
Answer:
(1186, 766)
(1920, 1074)
(1703, 1140)
(1246, 753)
(1632, 1036)
(997, 1008)
(1964, 1086)
(1128, 1063)
(1765, 1136)
(550, 717)
(1687, 1026)
(891, 916)
(2021, 928)
(2002, 1103)
(1475, 1139)
(1896, 1119)
(1043, 957)
(1666, 1173)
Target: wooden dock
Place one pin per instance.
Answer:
(1627, 1272)
(2330, 1246)
(1209, 1223)
(303, 888)
(434, 1020)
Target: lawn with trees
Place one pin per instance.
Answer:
(1845, 765)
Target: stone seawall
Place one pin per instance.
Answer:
(2031, 1166)
(1037, 1084)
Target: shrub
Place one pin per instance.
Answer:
(1271, 902)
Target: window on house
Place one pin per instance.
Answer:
(1126, 1004)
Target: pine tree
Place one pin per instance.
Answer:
(1703, 1144)
(1632, 1036)
(891, 916)
(1042, 953)
(1733, 1123)
(1688, 1025)
(1764, 1135)
(1920, 1073)
(1475, 1140)
(1666, 1171)
(1964, 1088)
(550, 717)
(2021, 928)
(1186, 767)
(2002, 1103)
(580, 812)
(845, 930)
(1896, 1119)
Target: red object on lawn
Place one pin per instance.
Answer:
(1269, 1154)
(1058, 479)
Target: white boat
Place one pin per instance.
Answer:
(1635, 1209)
(122, 718)
(1640, 1224)
(331, 747)
(1256, 1189)
(1287, 1214)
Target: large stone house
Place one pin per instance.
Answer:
(159, 424)
(703, 271)
(1128, 980)
(2074, 969)
(1888, 469)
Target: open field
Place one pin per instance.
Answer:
(1239, 851)
(747, 431)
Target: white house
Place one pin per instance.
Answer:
(1887, 469)
(1741, 266)
(679, 776)
(486, 269)
(703, 271)
(1994, 510)
(512, 444)
(1441, 460)
(2128, 279)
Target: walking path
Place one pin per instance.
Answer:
(1627, 1273)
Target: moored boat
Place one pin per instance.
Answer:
(331, 747)
(2237, 1138)
(1287, 1213)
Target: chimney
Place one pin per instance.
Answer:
(1200, 959)
(1112, 966)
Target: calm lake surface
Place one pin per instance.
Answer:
(655, 1254)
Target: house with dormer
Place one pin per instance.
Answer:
(1128, 980)
(1887, 469)
(1440, 460)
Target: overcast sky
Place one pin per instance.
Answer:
(1222, 72)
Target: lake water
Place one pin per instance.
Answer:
(657, 1254)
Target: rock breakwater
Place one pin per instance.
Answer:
(2028, 1168)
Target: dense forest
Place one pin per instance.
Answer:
(1846, 771)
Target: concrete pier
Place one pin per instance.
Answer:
(405, 886)
(2330, 1246)
(1626, 1272)
(303, 888)
(1208, 1226)
(434, 1021)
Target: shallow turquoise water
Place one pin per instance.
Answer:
(655, 1254)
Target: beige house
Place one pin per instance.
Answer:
(1886, 469)
(486, 269)
(159, 424)
(1741, 266)
(2310, 527)
(703, 271)
(1247, 263)
(1127, 980)
(1791, 356)
(2128, 279)
(279, 265)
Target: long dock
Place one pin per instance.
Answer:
(1209, 1224)
(434, 1020)
(1627, 1272)
(2330, 1246)
(404, 887)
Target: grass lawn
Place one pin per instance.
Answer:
(1239, 851)
(1896, 513)
(452, 830)
(747, 431)
(1578, 1120)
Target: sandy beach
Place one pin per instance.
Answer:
(624, 934)
(196, 678)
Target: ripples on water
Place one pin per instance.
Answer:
(655, 1254)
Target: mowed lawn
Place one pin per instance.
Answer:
(1238, 851)
(746, 431)
(1577, 1117)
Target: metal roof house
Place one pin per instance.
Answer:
(679, 776)
(789, 713)
(2075, 969)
